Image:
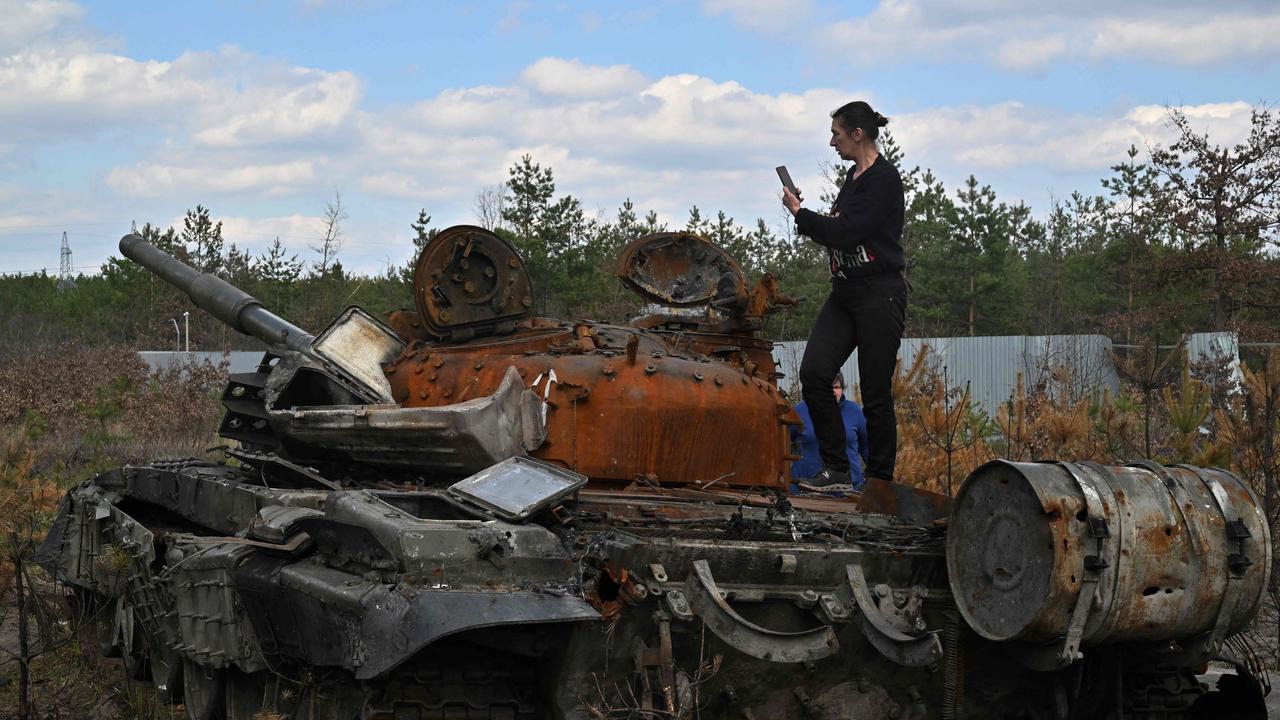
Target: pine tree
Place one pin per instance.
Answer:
(1225, 201)
(203, 240)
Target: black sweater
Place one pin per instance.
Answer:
(863, 233)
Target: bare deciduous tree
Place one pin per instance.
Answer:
(490, 203)
(331, 238)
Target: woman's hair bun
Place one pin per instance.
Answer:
(881, 120)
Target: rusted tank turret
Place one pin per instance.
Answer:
(468, 511)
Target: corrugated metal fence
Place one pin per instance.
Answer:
(240, 361)
(1078, 365)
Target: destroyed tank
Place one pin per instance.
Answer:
(470, 512)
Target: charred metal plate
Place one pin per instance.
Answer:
(890, 498)
(360, 344)
(676, 268)
(470, 282)
(517, 487)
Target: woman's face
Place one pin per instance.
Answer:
(844, 142)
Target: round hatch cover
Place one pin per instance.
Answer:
(469, 278)
(677, 268)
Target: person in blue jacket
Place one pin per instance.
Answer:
(804, 440)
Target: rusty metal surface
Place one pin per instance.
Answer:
(469, 282)
(1026, 538)
(680, 269)
(620, 403)
(891, 498)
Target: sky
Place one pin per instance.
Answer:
(120, 112)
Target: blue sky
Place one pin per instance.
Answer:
(113, 112)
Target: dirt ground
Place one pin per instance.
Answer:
(66, 686)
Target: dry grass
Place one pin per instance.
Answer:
(87, 408)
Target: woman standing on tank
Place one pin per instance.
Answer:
(867, 305)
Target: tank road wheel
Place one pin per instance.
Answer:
(203, 691)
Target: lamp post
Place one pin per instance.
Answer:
(186, 325)
(177, 336)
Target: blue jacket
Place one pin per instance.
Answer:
(855, 431)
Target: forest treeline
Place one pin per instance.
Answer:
(1179, 238)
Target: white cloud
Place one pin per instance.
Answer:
(571, 78)
(1031, 53)
(307, 104)
(223, 99)
(1012, 135)
(255, 234)
(195, 178)
(1027, 36)
(27, 20)
(1189, 39)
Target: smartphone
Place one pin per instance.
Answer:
(785, 177)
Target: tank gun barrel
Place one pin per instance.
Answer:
(226, 302)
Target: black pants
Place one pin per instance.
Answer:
(866, 314)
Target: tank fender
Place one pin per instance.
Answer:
(397, 624)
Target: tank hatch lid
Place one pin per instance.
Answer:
(677, 269)
(516, 488)
(469, 282)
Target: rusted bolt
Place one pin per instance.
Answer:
(464, 263)
(650, 369)
(489, 272)
(448, 393)
(511, 261)
(431, 377)
(437, 361)
(608, 370)
(635, 592)
(719, 382)
(422, 394)
(477, 366)
(417, 370)
(697, 377)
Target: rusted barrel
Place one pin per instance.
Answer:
(1155, 552)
